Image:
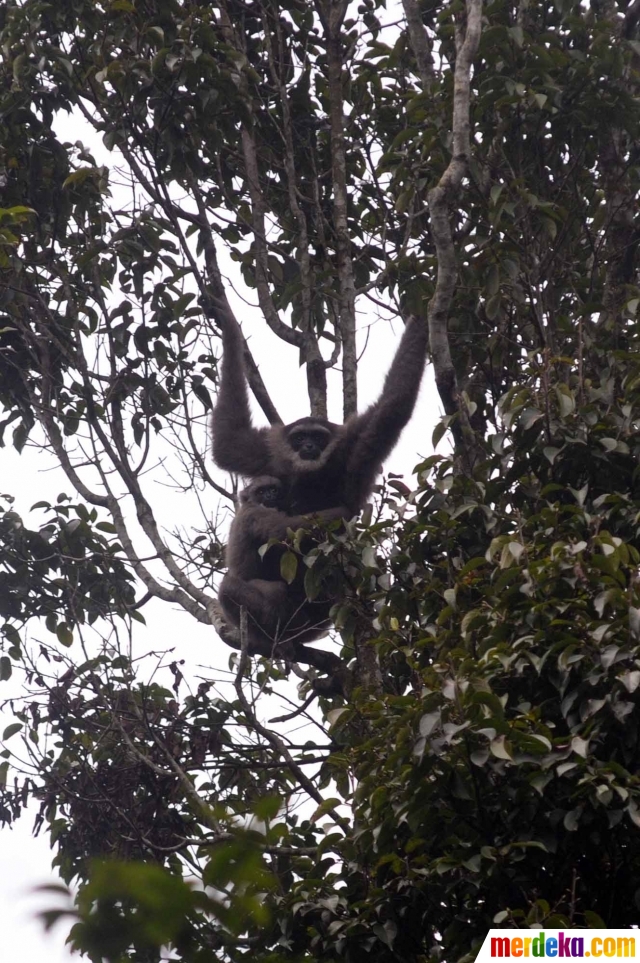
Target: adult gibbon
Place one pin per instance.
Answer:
(278, 614)
(324, 465)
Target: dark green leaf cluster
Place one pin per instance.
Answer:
(499, 781)
(68, 572)
(134, 910)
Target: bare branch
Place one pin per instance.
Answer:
(269, 735)
(439, 199)
(316, 369)
(222, 313)
(332, 16)
(420, 43)
(258, 209)
(157, 191)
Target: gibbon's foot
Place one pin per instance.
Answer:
(327, 662)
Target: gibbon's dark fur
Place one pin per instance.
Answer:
(323, 465)
(277, 613)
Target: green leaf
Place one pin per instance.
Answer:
(593, 920)
(313, 581)
(428, 722)
(386, 933)
(440, 430)
(324, 808)
(580, 746)
(501, 749)
(11, 730)
(267, 808)
(566, 401)
(64, 634)
(289, 566)
(571, 820)
(529, 417)
(369, 558)
(79, 176)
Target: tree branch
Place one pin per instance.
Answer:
(174, 214)
(270, 736)
(316, 369)
(221, 309)
(439, 200)
(332, 15)
(420, 43)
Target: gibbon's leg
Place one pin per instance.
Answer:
(274, 617)
(265, 603)
(305, 620)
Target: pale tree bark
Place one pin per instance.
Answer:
(332, 14)
(315, 364)
(440, 201)
(420, 42)
(259, 206)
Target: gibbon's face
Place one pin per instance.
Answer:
(308, 439)
(265, 491)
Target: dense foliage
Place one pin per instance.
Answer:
(484, 767)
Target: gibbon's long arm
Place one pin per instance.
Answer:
(236, 445)
(272, 523)
(373, 434)
(342, 476)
